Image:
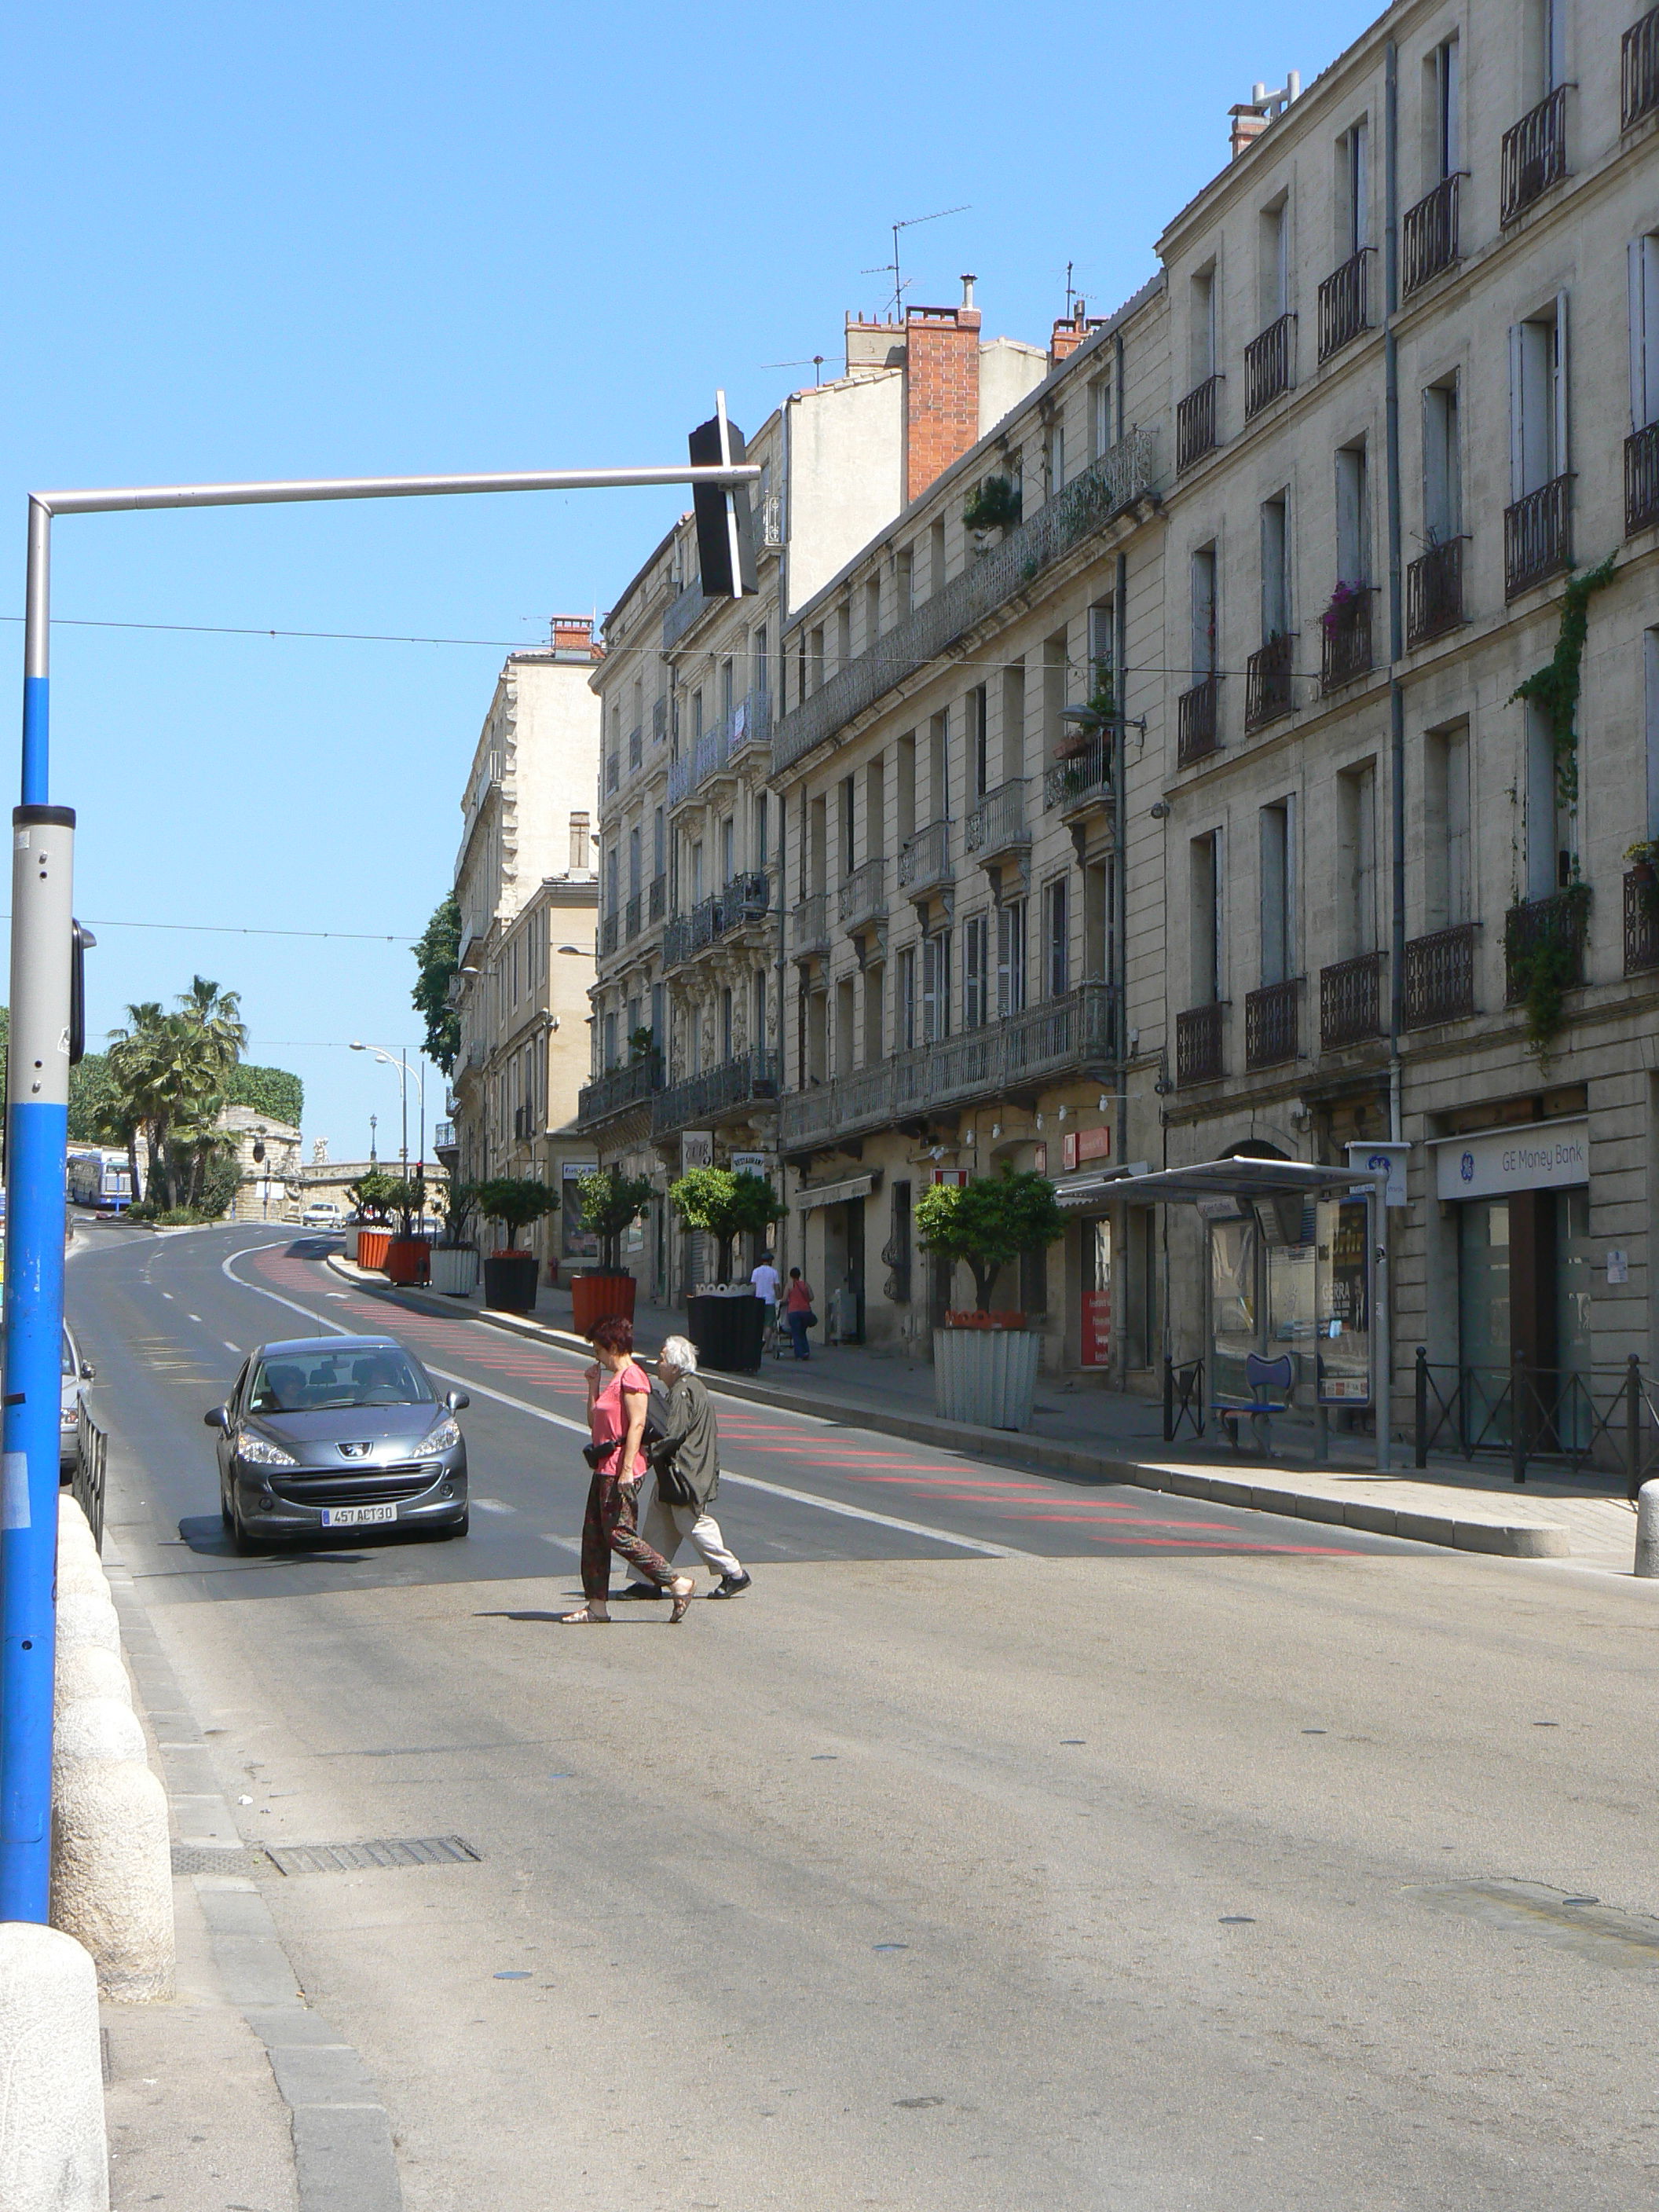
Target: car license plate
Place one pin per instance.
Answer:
(356, 1516)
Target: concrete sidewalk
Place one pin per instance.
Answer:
(1109, 1436)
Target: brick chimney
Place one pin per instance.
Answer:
(941, 389)
(1069, 333)
(574, 634)
(1248, 127)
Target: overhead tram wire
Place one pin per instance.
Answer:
(241, 929)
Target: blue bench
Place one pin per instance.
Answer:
(1272, 1382)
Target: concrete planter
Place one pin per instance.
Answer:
(454, 1269)
(987, 1376)
(351, 1232)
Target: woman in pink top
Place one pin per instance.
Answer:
(619, 1392)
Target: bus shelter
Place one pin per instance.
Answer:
(1297, 1266)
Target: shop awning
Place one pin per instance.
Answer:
(1235, 1178)
(836, 1193)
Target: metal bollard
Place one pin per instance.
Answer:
(1647, 1530)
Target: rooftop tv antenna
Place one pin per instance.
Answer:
(892, 268)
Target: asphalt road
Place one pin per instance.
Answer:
(1015, 1842)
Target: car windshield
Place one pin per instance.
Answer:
(68, 1366)
(312, 1382)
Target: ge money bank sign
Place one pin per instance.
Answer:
(1535, 1156)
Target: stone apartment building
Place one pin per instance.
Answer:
(688, 1055)
(527, 886)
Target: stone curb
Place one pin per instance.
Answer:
(1514, 1540)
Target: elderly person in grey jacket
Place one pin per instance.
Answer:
(685, 1459)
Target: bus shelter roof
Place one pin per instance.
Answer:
(1234, 1178)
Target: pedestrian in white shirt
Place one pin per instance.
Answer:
(767, 1287)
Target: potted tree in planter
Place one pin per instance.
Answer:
(985, 1364)
(611, 1202)
(509, 1274)
(726, 1324)
(371, 1195)
(408, 1254)
(455, 1256)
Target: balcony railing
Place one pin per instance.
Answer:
(809, 925)
(1642, 479)
(1345, 638)
(1537, 536)
(1195, 423)
(631, 919)
(690, 607)
(1553, 923)
(1270, 1023)
(1267, 365)
(750, 1078)
(1534, 153)
(1197, 721)
(1199, 1034)
(657, 898)
(443, 1136)
(1638, 70)
(1434, 591)
(1641, 922)
(1342, 304)
(1438, 984)
(1082, 778)
(924, 860)
(863, 897)
(716, 751)
(1351, 1001)
(1073, 1035)
(998, 823)
(1087, 505)
(745, 898)
(619, 1087)
(1269, 682)
(608, 934)
(1428, 236)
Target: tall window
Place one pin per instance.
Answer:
(1442, 149)
(846, 820)
(936, 986)
(936, 558)
(979, 740)
(1644, 254)
(1276, 890)
(728, 688)
(1055, 456)
(1549, 821)
(1201, 326)
(1013, 722)
(976, 962)
(1101, 421)
(903, 583)
(580, 844)
(757, 1010)
(938, 769)
(728, 849)
(1447, 884)
(1442, 463)
(1056, 669)
(1102, 646)
(762, 830)
(762, 663)
(634, 861)
(1275, 567)
(1057, 938)
(1272, 262)
(1353, 518)
(1204, 869)
(696, 715)
(1011, 958)
(1537, 399)
(1353, 188)
(871, 611)
(1356, 802)
(1204, 612)
(658, 841)
(726, 1023)
(904, 998)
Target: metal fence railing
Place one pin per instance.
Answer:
(90, 1446)
(1600, 1420)
(1183, 1398)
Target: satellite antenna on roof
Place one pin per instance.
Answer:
(892, 268)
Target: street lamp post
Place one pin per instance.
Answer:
(373, 1124)
(36, 1131)
(397, 1060)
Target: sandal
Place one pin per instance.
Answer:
(584, 1616)
(680, 1590)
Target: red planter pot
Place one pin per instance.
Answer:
(408, 1260)
(371, 1248)
(593, 1297)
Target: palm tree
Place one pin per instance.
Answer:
(170, 1070)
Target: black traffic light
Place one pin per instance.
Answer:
(726, 547)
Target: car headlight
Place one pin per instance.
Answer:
(258, 1451)
(444, 1437)
(69, 1417)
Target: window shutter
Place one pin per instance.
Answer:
(1517, 390)
(1563, 461)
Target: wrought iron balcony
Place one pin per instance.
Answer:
(1428, 236)
(682, 612)
(717, 750)
(636, 749)
(1268, 365)
(1534, 154)
(1269, 682)
(1345, 638)
(732, 1089)
(1555, 924)
(1080, 781)
(631, 919)
(1538, 536)
(617, 1090)
(1642, 479)
(1641, 922)
(1270, 1023)
(1199, 1036)
(809, 926)
(863, 897)
(1197, 721)
(1434, 591)
(1638, 70)
(1351, 1001)
(744, 899)
(766, 521)
(1107, 488)
(1438, 984)
(1195, 423)
(1075, 1034)
(924, 860)
(998, 824)
(1342, 304)
(608, 933)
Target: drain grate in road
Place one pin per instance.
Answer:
(379, 1851)
(212, 1858)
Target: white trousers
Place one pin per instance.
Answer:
(665, 1528)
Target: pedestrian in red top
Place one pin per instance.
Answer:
(798, 1311)
(618, 1393)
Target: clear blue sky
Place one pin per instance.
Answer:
(362, 239)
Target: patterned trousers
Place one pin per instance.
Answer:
(611, 1525)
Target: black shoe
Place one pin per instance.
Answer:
(733, 1585)
(639, 1589)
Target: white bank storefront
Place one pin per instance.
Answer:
(1519, 1197)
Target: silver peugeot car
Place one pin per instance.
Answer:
(331, 1432)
